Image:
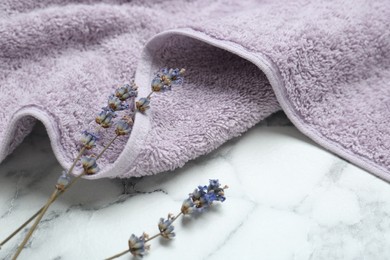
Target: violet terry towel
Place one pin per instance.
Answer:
(325, 63)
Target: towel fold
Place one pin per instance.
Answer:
(325, 63)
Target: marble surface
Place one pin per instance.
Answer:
(288, 199)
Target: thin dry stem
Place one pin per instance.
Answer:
(106, 147)
(21, 227)
(34, 226)
(153, 237)
(41, 209)
(53, 198)
(150, 94)
(118, 255)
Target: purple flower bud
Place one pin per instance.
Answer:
(88, 139)
(215, 189)
(123, 127)
(127, 91)
(157, 84)
(187, 207)
(116, 104)
(203, 196)
(166, 228)
(63, 181)
(104, 118)
(142, 104)
(137, 245)
(89, 164)
(165, 78)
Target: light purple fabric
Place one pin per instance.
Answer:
(325, 63)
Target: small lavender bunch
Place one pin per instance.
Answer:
(106, 118)
(199, 200)
(163, 81)
(122, 101)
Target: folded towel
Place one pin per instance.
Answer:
(325, 63)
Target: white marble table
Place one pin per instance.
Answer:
(288, 199)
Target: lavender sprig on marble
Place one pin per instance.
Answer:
(197, 202)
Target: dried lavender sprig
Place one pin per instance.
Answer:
(88, 140)
(168, 77)
(89, 165)
(139, 250)
(202, 198)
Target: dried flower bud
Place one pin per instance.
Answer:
(137, 245)
(187, 207)
(88, 139)
(116, 104)
(203, 196)
(215, 188)
(122, 127)
(63, 181)
(127, 91)
(166, 78)
(166, 228)
(104, 118)
(142, 104)
(157, 84)
(89, 164)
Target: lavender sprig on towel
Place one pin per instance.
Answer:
(199, 200)
(118, 103)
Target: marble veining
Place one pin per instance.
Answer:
(288, 199)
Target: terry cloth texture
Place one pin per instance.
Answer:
(325, 63)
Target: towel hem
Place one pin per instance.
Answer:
(273, 75)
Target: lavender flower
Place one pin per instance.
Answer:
(137, 245)
(127, 91)
(123, 127)
(88, 139)
(104, 118)
(89, 164)
(63, 181)
(166, 78)
(166, 228)
(142, 104)
(157, 84)
(187, 207)
(215, 189)
(116, 104)
(203, 196)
